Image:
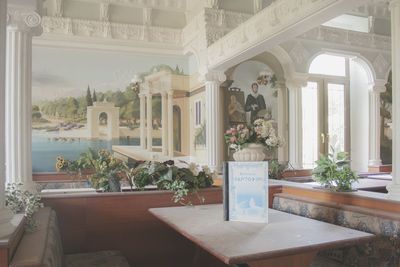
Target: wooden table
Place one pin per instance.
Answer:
(287, 240)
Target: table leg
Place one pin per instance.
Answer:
(296, 260)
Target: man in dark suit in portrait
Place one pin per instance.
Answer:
(254, 102)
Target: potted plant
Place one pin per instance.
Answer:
(167, 176)
(333, 172)
(276, 169)
(251, 142)
(105, 171)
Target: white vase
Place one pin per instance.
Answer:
(252, 152)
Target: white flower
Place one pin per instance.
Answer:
(194, 168)
(206, 170)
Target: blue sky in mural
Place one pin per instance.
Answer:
(67, 72)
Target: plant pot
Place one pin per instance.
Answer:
(114, 184)
(253, 152)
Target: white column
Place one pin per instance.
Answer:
(24, 22)
(375, 123)
(142, 98)
(394, 188)
(214, 123)
(170, 107)
(282, 119)
(164, 123)
(295, 123)
(149, 122)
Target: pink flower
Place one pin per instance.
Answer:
(233, 139)
(229, 131)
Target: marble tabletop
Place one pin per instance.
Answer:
(237, 242)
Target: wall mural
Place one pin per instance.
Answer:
(386, 122)
(85, 99)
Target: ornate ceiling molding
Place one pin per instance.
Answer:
(348, 38)
(173, 5)
(67, 27)
(274, 24)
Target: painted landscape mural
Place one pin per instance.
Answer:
(66, 103)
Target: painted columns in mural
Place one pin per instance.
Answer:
(295, 141)
(23, 24)
(149, 115)
(170, 107)
(375, 123)
(214, 122)
(142, 98)
(394, 188)
(282, 119)
(164, 123)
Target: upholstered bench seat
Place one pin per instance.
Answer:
(43, 248)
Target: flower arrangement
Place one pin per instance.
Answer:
(261, 132)
(23, 201)
(106, 170)
(167, 176)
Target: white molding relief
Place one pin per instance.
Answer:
(274, 24)
(174, 5)
(350, 38)
(57, 26)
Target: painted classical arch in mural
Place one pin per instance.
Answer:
(103, 112)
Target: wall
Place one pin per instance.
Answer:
(61, 78)
(359, 117)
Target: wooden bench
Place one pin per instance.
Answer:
(383, 251)
(43, 248)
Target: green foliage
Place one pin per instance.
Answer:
(166, 176)
(276, 169)
(89, 100)
(333, 171)
(23, 201)
(106, 170)
(94, 97)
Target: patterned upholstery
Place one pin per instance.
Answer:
(43, 248)
(384, 251)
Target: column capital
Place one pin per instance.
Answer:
(393, 4)
(170, 92)
(280, 85)
(377, 87)
(212, 76)
(297, 81)
(25, 17)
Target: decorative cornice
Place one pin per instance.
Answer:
(274, 24)
(349, 38)
(103, 29)
(176, 5)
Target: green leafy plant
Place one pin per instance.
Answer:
(276, 169)
(105, 170)
(333, 171)
(23, 201)
(183, 181)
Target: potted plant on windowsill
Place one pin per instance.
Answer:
(104, 171)
(252, 143)
(334, 173)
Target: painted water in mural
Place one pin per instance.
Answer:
(72, 112)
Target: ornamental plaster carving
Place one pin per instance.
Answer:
(58, 7)
(272, 21)
(381, 65)
(105, 29)
(351, 38)
(299, 53)
(104, 12)
(24, 20)
(159, 4)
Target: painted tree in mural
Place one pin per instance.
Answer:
(94, 98)
(386, 118)
(89, 100)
